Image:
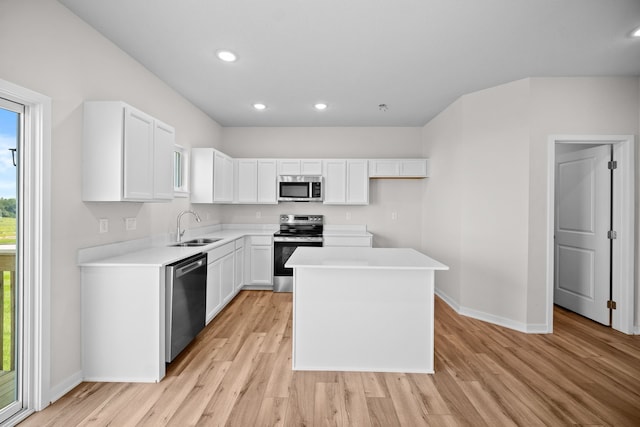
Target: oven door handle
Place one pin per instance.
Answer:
(297, 239)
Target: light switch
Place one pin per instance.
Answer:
(104, 225)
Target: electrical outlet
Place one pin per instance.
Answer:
(258, 214)
(104, 225)
(394, 215)
(348, 216)
(130, 224)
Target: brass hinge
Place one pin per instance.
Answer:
(611, 305)
(612, 235)
(612, 164)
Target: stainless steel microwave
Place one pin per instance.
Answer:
(299, 188)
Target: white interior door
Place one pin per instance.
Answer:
(582, 219)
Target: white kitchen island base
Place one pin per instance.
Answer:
(363, 309)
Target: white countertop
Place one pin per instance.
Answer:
(161, 254)
(166, 254)
(362, 257)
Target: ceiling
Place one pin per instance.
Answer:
(415, 56)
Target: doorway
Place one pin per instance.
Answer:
(11, 124)
(622, 209)
(27, 289)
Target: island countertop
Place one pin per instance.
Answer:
(362, 257)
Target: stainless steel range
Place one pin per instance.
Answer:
(295, 231)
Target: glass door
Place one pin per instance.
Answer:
(11, 119)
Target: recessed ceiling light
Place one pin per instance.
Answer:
(226, 56)
(259, 106)
(320, 106)
(636, 33)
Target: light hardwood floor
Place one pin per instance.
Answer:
(238, 373)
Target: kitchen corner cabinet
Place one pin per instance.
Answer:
(211, 176)
(126, 154)
(346, 182)
(398, 168)
(255, 181)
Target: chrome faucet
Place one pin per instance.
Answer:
(179, 232)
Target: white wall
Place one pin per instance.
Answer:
(476, 213)
(574, 106)
(402, 196)
(495, 145)
(45, 48)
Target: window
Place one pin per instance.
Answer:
(180, 172)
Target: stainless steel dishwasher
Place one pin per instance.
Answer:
(186, 287)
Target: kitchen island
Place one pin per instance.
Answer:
(363, 309)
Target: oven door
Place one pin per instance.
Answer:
(283, 249)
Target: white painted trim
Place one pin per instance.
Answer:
(65, 386)
(36, 255)
(623, 222)
(490, 318)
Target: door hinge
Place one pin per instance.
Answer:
(612, 235)
(612, 164)
(611, 305)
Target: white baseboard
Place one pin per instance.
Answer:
(65, 386)
(490, 318)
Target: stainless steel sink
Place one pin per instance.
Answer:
(196, 242)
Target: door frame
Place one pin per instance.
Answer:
(35, 247)
(623, 265)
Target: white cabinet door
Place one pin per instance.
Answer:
(357, 182)
(261, 267)
(413, 168)
(211, 176)
(393, 168)
(289, 167)
(164, 138)
(222, 178)
(226, 277)
(346, 182)
(214, 289)
(126, 154)
(299, 167)
(335, 181)
(267, 182)
(239, 269)
(310, 167)
(246, 189)
(138, 155)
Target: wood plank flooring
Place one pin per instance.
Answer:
(238, 373)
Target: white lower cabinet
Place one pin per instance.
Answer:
(239, 265)
(260, 257)
(220, 283)
(337, 241)
(122, 318)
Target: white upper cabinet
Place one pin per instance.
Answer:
(255, 181)
(267, 182)
(211, 176)
(299, 167)
(398, 168)
(126, 154)
(165, 137)
(346, 182)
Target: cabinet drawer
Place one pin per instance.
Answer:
(261, 240)
(217, 253)
(347, 241)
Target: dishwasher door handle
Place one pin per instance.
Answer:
(188, 268)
